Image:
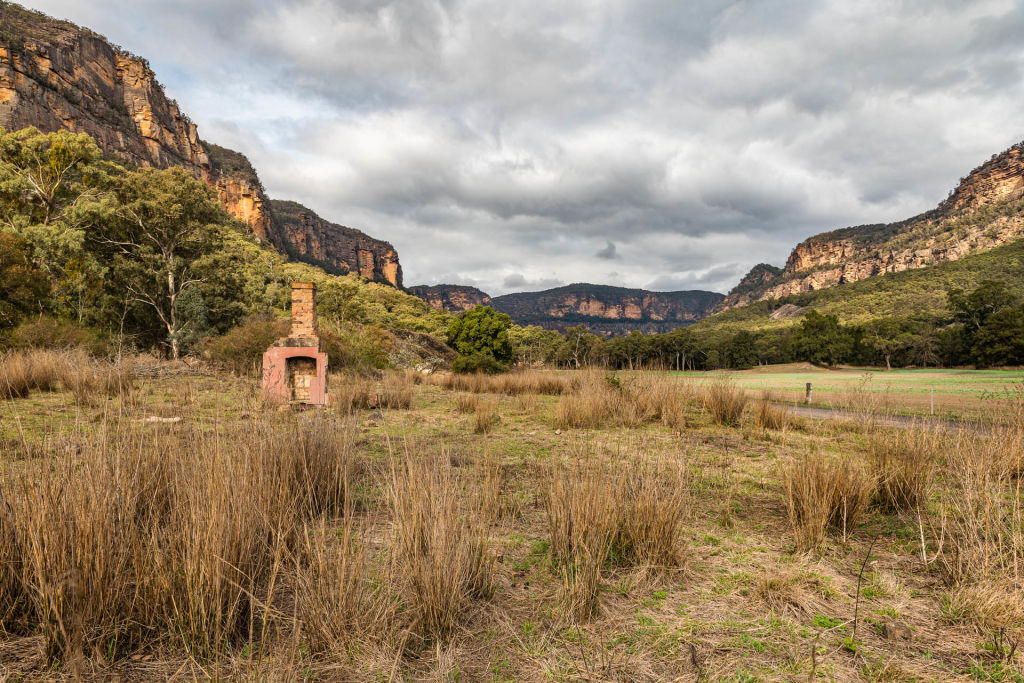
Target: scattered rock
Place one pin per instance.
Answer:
(897, 630)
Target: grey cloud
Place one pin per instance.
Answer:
(498, 143)
(608, 251)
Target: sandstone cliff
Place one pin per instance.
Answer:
(56, 75)
(333, 247)
(607, 310)
(454, 298)
(986, 210)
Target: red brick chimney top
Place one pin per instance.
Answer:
(303, 309)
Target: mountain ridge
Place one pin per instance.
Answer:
(605, 309)
(984, 211)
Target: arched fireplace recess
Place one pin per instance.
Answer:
(294, 368)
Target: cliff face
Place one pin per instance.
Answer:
(985, 211)
(453, 298)
(608, 310)
(335, 247)
(55, 75)
(752, 284)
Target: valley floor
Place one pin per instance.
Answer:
(983, 395)
(874, 603)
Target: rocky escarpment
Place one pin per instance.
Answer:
(55, 75)
(752, 285)
(240, 190)
(986, 210)
(333, 247)
(453, 298)
(607, 310)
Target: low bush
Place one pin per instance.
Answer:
(51, 333)
(241, 348)
(478, 362)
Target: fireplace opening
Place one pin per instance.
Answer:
(301, 372)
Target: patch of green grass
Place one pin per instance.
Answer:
(822, 621)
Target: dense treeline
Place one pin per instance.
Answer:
(984, 327)
(95, 253)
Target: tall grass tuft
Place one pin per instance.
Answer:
(769, 415)
(824, 493)
(653, 500)
(441, 548)
(725, 403)
(583, 518)
(982, 517)
(901, 461)
(486, 416)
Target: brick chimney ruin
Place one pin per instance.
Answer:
(295, 367)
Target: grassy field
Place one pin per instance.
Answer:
(539, 527)
(960, 394)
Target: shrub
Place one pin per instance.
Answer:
(478, 363)
(823, 493)
(50, 333)
(241, 348)
(482, 331)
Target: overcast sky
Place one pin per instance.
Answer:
(666, 144)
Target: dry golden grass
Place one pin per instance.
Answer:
(393, 391)
(117, 546)
(486, 416)
(337, 601)
(600, 512)
(441, 548)
(724, 403)
(601, 400)
(653, 500)
(88, 379)
(982, 517)
(292, 546)
(769, 415)
(789, 590)
(583, 520)
(995, 609)
(901, 462)
(823, 493)
(467, 403)
(512, 383)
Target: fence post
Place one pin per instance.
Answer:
(807, 398)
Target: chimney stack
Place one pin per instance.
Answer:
(303, 309)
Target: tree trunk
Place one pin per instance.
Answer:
(172, 325)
